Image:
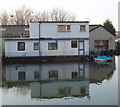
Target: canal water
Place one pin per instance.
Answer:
(73, 83)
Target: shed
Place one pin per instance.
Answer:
(100, 39)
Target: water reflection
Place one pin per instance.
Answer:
(55, 80)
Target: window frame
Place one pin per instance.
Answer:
(74, 75)
(53, 74)
(72, 44)
(53, 45)
(66, 29)
(22, 76)
(82, 29)
(101, 45)
(18, 46)
(36, 48)
(36, 75)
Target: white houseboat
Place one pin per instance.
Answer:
(68, 38)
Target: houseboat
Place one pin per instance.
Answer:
(68, 38)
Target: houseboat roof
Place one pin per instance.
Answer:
(60, 22)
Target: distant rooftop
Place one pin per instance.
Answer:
(92, 27)
(118, 34)
(14, 25)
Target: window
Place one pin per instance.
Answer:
(74, 75)
(52, 46)
(53, 74)
(81, 71)
(101, 45)
(64, 91)
(21, 46)
(21, 75)
(74, 44)
(83, 90)
(36, 75)
(82, 28)
(63, 28)
(36, 46)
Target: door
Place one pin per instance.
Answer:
(81, 48)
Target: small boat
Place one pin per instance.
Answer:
(103, 59)
(102, 63)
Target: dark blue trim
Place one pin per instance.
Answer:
(48, 39)
(81, 49)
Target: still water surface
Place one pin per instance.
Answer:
(75, 83)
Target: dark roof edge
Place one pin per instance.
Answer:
(97, 26)
(61, 22)
(12, 25)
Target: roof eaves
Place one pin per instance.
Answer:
(61, 22)
(97, 26)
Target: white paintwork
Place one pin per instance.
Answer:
(12, 51)
(64, 48)
(34, 33)
(50, 30)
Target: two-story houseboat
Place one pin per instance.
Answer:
(68, 38)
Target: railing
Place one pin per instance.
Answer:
(56, 53)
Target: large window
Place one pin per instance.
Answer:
(82, 28)
(83, 90)
(64, 91)
(63, 28)
(36, 46)
(74, 75)
(21, 46)
(52, 46)
(101, 45)
(74, 44)
(53, 74)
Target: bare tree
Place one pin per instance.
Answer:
(4, 18)
(61, 15)
(41, 16)
(54, 15)
(23, 16)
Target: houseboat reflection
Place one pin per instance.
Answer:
(46, 72)
(56, 80)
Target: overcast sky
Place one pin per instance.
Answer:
(97, 11)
